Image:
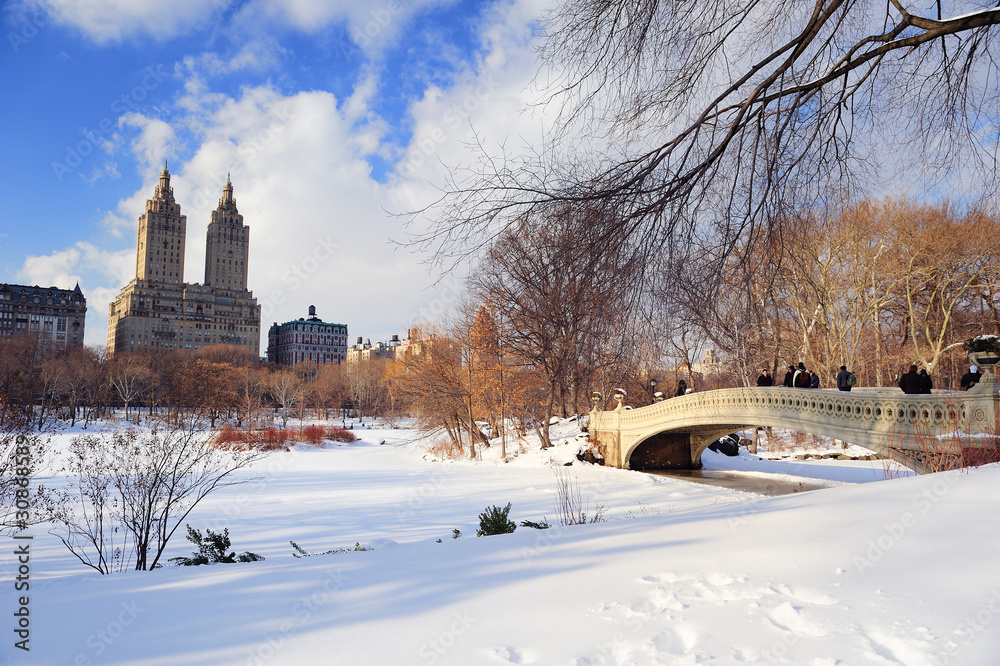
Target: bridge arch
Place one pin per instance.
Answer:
(674, 433)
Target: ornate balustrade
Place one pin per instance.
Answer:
(675, 432)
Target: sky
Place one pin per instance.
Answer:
(334, 119)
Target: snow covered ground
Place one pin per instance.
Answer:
(903, 571)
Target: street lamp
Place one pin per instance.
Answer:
(652, 387)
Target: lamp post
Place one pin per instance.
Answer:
(596, 397)
(652, 388)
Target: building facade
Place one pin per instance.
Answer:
(364, 350)
(56, 316)
(307, 340)
(158, 310)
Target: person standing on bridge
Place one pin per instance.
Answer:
(801, 378)
(789, 377)
(682, 387)
(765, 379)
(925, 382)
(971, 378)
(813, 380)
(910, 382)
(844, 379)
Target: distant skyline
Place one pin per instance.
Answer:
(330, 117)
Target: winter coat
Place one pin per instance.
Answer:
(801, 379)
(910, 382)
(814, 381)
(970, 379)
(789, 379)
(842, 380)
(926, 384)
(765, 380)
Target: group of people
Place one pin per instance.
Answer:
(914, 383)
(797, 377)
(911, 382)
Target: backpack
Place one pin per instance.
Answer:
(851, 379)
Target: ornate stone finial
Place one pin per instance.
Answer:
(228, 180)
(165, 169)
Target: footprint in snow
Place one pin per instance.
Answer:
(788, 618)
(512, 656)
(673, 642)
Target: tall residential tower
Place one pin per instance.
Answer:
(159, 310)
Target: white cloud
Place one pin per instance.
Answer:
(371, 25)
(155, 142)
(104, 21)
(100, 273)
(319, 227)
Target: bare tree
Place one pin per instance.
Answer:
(703, 123)
(286, 388)
(129, 377)
(564, 292)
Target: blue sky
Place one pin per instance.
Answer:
(327, 114)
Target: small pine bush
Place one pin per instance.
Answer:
(494, 521)
(212, 549)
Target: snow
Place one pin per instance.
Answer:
(902, 571)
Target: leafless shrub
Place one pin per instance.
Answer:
(128, 492)
(20, 460)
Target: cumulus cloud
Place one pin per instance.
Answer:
(99, 272)
(154, 142)
(320, 230)
(104, 21)
(371, 25)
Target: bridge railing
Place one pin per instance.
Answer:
(883, 419)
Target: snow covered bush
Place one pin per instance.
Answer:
(983, 343)
(212, 549)
(494, 521)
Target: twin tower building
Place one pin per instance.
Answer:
(158, 309)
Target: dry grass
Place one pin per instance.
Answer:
(571, 509)
(444, 448)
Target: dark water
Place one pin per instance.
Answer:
(739, 481)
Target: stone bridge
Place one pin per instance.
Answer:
(912, 429)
